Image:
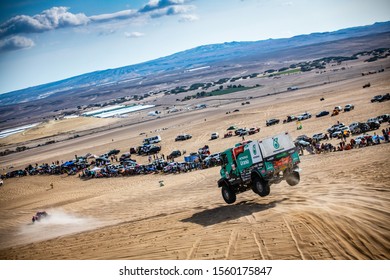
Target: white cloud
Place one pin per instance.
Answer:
(188, 18)
(134, 34)
(15, 43)
(56, 17)
(125, 14)
(160, 4)
(60, 17)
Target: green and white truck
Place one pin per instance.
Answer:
(257, 165)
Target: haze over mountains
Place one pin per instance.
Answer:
(229, 55)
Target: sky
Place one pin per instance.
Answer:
(42, 41)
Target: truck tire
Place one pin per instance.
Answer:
(260, 187)
(293, 178)
(228, 195)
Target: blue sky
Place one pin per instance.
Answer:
(43, 41)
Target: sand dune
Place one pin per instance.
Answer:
(340, 209)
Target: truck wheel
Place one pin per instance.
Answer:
(293, 178)
(260, 187)
(228, 195)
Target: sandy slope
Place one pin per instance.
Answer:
(340, 210)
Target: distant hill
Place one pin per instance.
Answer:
(208, 55)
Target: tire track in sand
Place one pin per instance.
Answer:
(194, 249)
(231, 245)
(294, 238)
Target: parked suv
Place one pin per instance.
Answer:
(376, 98)
(272, 122)
(174, 154)
(183, 137)
(322, 113)
(348, 107)
(304, 116)
(214, 135)
(319, 136)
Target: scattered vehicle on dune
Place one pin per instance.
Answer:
(256, 165)
(341, 132)
(383, 118)
(304, 116)
(319, 136)
(290, 118)
(239, 131)
(214, 135)
(359, 127)
(271, 122)
(174, 154)
(113, 152)
(384, 97)
(228, 134)
(322, 113)
(334, 127)
(253, 130)
(348, 107)
(376, 98)
(183, 137)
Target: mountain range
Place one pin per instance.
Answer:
(216, 54)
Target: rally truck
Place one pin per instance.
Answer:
(256, 165)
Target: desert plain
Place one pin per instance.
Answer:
(340, 209)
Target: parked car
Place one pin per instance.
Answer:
(253, 130)
(334, 127)
(290, 118)
(322, 113)
(113, 152)
(272, 122)
(243, 132)
(228, 134)
(125, 156)
(358, 127)
(373, 124)
(319, 136)
(239, 131)
(384, 97)
(174, 154)
(213, 156)
(302, 137)
(214, 135)
(149, 149)
(383, 118)
(183, 137)
(376, 98)
(373, 120)
(304, 116)
(341, 131)
(348, 107)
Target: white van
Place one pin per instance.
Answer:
(152, 140)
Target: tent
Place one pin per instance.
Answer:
(232, 127)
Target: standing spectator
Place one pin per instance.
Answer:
(385, 135)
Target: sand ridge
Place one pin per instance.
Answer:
(340, 210)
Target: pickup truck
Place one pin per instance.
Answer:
(257, 165)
